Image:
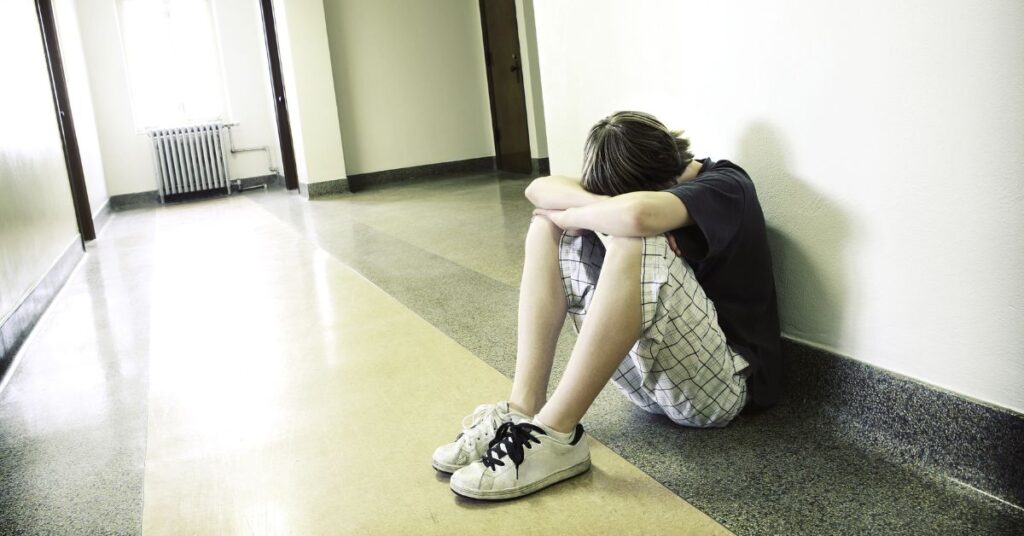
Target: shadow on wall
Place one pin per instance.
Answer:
(807, 234)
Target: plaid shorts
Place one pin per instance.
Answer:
(681, 366)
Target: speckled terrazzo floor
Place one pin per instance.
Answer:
(450, 251)
(73, 413)
(209, 370)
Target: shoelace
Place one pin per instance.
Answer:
(484, 413)
(509, 440)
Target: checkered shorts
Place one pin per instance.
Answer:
(681, 366)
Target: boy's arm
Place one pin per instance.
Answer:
(632, 214)
(559, 193)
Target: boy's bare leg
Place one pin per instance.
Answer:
(612, 326)
(542, 309)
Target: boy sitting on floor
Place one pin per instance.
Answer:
(662, 263)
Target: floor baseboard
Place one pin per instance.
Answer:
(247, 183)
(912, 422)
(316, 190)
(15, 328)
(102, 217)
(121, 202)
(362, 181)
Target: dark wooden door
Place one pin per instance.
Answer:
(284, 129)
(62, 105)
(505, 84)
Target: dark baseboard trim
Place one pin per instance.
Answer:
(317, 190)
(361, 181)
(102, 217)
(151, 198)
(911, 422)
(15, 328)
(541, 166)
(255, 182)
(136, 200)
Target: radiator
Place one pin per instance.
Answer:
(190, 159)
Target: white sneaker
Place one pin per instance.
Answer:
(523, 459)
(478, 430)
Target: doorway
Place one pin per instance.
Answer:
(62, 106)
(284, 129)
(505, 85)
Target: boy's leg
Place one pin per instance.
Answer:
(612, 327)
(542, 309)
(529, 456)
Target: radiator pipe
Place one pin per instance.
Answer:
(234, 150)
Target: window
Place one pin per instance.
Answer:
(173, 62)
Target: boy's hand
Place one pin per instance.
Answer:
(672, 244)
(558, 217)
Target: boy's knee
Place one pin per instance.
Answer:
(623, 244)
(541, 226)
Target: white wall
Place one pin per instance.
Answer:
(411, 82)
(247, 76)
(126, 153)
(885, 141)
(80, 96)
(37, 217)
(309, 88)
(531, 79)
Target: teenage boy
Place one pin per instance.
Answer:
(662, 263)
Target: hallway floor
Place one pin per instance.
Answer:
(262, 364)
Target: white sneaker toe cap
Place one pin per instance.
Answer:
(450, 455)
(470, 477)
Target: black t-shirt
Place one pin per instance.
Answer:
(728, 249)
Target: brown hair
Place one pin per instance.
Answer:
(631, 151)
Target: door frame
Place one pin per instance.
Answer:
(284, 129)
(65, 121)
(488, 62)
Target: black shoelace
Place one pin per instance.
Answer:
(509, 440)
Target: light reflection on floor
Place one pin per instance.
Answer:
(286, 394)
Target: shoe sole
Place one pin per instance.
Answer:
(445, 468)
(499, 495)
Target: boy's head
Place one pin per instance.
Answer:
(631, 151)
